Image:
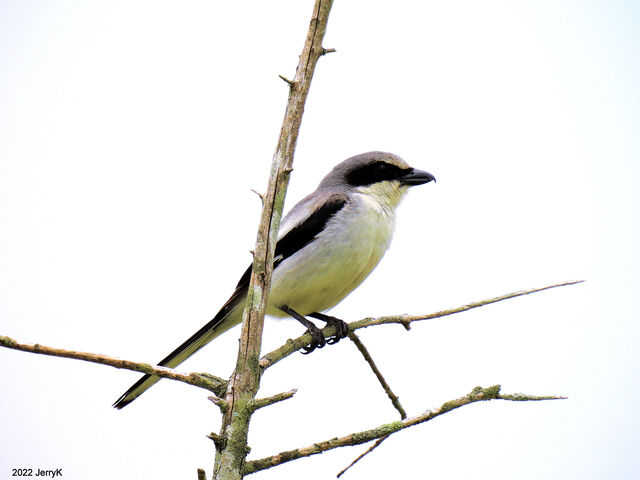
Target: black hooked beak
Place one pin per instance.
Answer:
(416, 177)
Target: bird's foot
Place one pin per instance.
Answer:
(317, 337)
(342, 327)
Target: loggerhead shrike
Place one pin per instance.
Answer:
(327, 245)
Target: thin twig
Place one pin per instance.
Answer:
(265, 402)
(220, 403)
(291, 83)
(260, 195)
(369, 359)
(208, 382)
(362, 455)
(478, 394)
(219, 385)
(395, 401)
(292, 346)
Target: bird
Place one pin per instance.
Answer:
(327, 245)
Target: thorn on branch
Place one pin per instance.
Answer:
(265, 402)
(220, 403)
(259, 195)
(327, 50)
(401, 319)
(218, 441)
(291, 83)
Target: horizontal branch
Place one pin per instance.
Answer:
(258, 403)
(478, 394)
(218, 385)
(209, 382)
(292, 346)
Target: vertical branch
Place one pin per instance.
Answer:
(244, 384)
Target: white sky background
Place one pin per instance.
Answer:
(131, 134)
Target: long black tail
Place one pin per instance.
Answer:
(229, 316)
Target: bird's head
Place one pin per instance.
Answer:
(381, 175)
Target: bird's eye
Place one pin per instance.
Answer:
(372, 173)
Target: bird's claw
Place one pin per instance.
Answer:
(342, 329)
(317, 339)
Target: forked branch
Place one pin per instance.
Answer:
(292, 346)
(219, 385)
(478, 394)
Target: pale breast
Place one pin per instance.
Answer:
(336, 262)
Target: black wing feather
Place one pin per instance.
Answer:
(294, 240)
(300, 235)
(303, 233)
